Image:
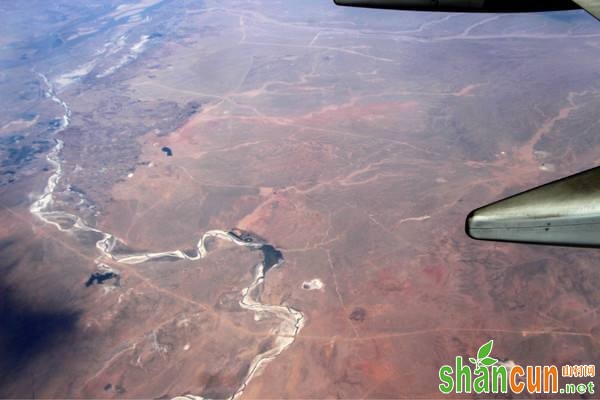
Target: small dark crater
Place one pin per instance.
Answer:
(272, 256)
(167, 151)
(107, 387)
(101, 277)
(358, 314)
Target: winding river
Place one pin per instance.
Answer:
(291, 320)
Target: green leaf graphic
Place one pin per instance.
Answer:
(488, 361)
(474, 361)
(485, 350)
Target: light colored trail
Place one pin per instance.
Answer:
(337, 49)
(527, 152)
(291, 320)
(416, 219)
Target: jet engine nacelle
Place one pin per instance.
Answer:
(464, 5)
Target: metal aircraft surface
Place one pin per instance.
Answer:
(562, 213)
(591, 6)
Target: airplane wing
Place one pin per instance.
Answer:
(591, 6)
(564, 212)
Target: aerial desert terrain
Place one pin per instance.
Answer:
(266, 199)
